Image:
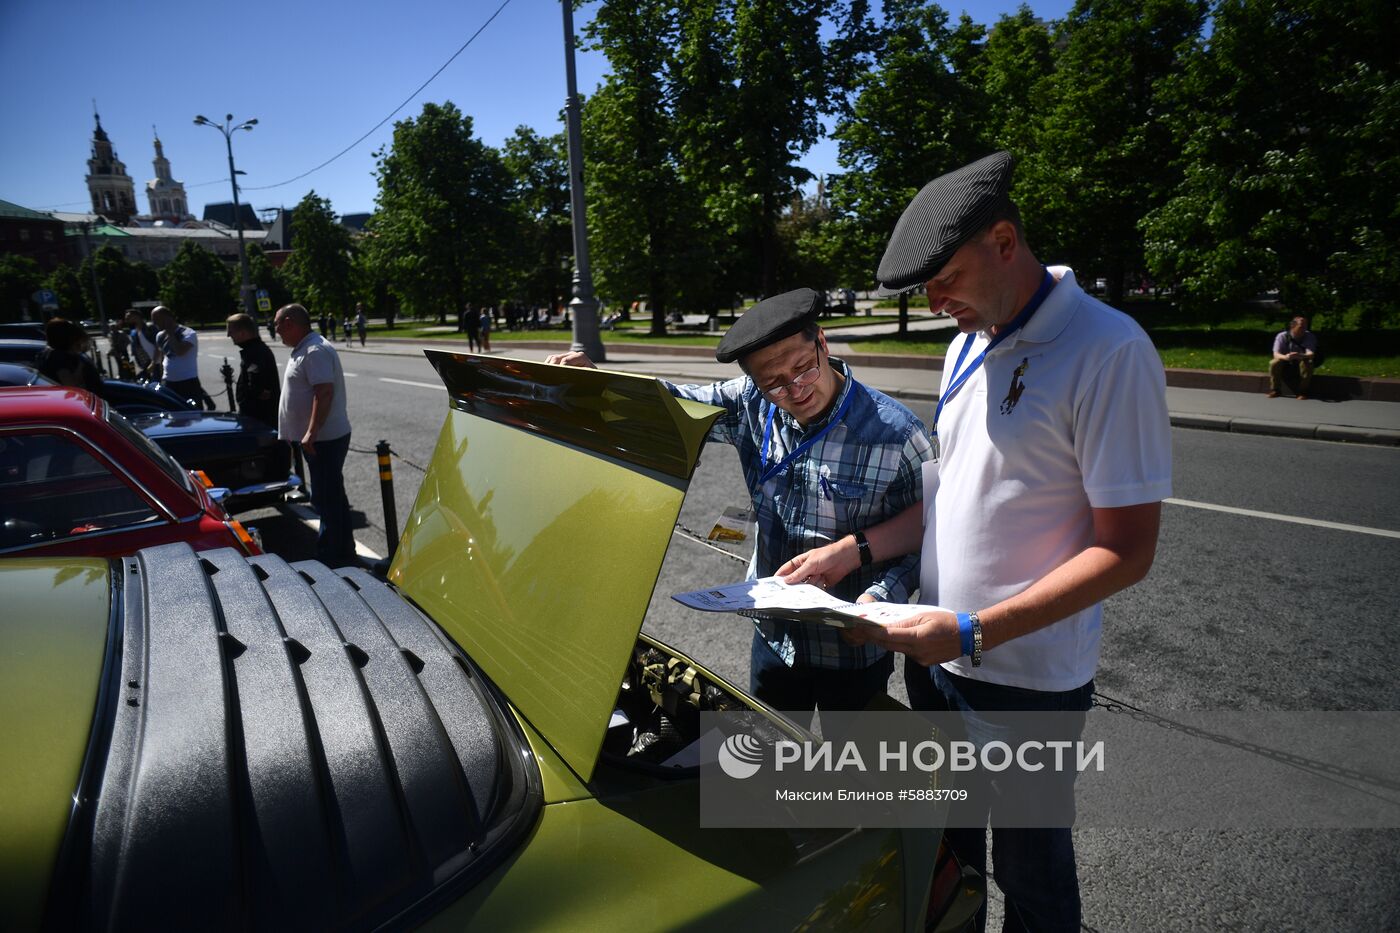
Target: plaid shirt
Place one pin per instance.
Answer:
(866, 469)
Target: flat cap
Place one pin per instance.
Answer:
(769, 321)
(942, 217)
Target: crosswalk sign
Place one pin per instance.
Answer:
(264, 300)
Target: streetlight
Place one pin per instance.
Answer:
(228, 129)
(583, 305)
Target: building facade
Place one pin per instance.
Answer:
(112, 191)
(164, 194)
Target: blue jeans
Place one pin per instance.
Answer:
(803, 689)
(1034, 868)
(335, 545)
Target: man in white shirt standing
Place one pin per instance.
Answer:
(311, 412)
(177, 357)
(1053, 455)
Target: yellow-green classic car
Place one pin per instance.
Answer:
(208, 741)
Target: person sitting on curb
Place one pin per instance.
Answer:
(1295, 352)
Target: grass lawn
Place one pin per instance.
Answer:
(1243, 341)
(1240, 342)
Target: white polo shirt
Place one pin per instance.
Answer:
(313, 362)
(1024, 457)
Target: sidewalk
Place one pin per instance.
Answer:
(916, 379)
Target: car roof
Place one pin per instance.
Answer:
(18, 374)
(46, 403)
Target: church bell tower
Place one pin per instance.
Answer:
(113, 194)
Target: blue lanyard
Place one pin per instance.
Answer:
(958, 378)
(766, 473)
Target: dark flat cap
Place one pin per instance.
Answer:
(769, 321)
(942, 217)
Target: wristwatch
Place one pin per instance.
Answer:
(976, 638)
(863, 546)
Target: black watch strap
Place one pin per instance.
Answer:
(863, 546)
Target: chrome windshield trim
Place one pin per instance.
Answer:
(88, 536)
(99, 454)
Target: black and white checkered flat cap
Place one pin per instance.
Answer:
(769, 321)
(942, 217)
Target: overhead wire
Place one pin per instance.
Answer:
(407, 100)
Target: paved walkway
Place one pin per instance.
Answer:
(1243, 412)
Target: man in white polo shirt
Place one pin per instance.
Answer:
(1053, 454)
(311, 412)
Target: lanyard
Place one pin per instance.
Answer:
(958, 378)
(766, 472)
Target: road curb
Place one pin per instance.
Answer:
(1180, 419)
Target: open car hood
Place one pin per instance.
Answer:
(541, 526)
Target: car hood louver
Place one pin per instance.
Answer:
(288, 747)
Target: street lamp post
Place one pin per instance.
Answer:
(584, 306)
(228, 129)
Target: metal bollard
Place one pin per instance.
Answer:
(386, 492)
(227, 372)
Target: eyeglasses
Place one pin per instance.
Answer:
(803, 380)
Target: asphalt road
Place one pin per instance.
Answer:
(1241, 611)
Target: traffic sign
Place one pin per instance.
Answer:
(264, 300)
(45, 299)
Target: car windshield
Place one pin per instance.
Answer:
(144, 444)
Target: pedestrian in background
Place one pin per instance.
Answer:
(485, 330)
(361, 322)
(312, 413)
(258, 388)
(177, 357)
(143, 343)
(345, 325)
(1295, 357)
(63, 359)
(471, 319)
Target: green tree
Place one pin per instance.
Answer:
(63, 282)
(120, 281)
(781, 88)
(1103, 157)
(539, 169)
(633, 187)
(197, 285)
(1016, 60)
(445, 224)
(918, 113)
(1291, 167)
(20, 277)
(143, 283)
(318, 271)
(266, 277)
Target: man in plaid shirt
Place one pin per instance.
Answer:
(823, 456)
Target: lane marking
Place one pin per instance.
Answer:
(409, 382)
(307, 516)
(1274, 516)
(350, 375)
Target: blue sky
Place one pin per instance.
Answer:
(317, 76)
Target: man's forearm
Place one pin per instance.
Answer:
(320, 408)
(895, 537)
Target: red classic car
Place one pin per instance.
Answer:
(77, 479)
